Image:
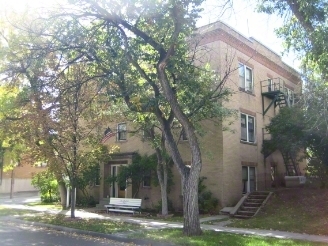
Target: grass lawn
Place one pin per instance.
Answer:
(45, 205)
(5, 211)
(302, 210)
(174, 236)
(177, 217)
(211, 238)
(97, 225)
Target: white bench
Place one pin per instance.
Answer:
(123, 205)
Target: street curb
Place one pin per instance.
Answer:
(113, 237)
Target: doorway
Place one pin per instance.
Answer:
(249, 179)
(117, 190)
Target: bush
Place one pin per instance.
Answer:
(47, 184)
(206, 202)
(86, 201)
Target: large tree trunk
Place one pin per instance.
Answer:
(190, 174)
(162, 178)
(191, 225)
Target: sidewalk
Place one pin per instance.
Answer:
(156, 224)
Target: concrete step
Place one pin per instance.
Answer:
(246, 213)
(251, 204)
(262, 197)
(260, 193)
(241, 216)
(254, 200)
(245, 208)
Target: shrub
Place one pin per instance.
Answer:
(206, 202)
(47, 184)
(83, 201)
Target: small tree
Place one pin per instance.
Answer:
(46, 182)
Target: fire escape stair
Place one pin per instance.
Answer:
(252, 204)
(292, 168)
(281, 100)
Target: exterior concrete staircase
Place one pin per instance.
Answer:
(251, 204)
(100, 206)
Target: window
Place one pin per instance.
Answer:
(245, 77)
(247, 128)
(147, 179)
(121, 131)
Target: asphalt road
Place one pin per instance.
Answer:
(16, 234)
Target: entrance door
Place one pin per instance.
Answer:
(117, 190)
(249, 179)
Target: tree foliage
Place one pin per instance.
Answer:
(58, 107)
(305, 30)
(46, 182)
(142, 51)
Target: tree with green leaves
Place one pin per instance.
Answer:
(142, 47)
(144, 51)
(305, 30)
(59, 107)
(289, 132)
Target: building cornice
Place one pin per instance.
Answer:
(246, 46)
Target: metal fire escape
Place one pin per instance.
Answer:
(280, 96)
(277, 92)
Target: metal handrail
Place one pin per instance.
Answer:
(269, 85)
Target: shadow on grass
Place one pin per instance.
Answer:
(5, 211)
(97, 225)
(211, 238)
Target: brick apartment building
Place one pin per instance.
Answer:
(232, 160)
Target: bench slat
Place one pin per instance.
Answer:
(114, 206)
(121, 210)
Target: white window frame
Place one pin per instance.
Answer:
(119, 131)
(243, 79)
(247, 128)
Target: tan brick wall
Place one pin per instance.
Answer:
(22, 176)
(235, 152)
